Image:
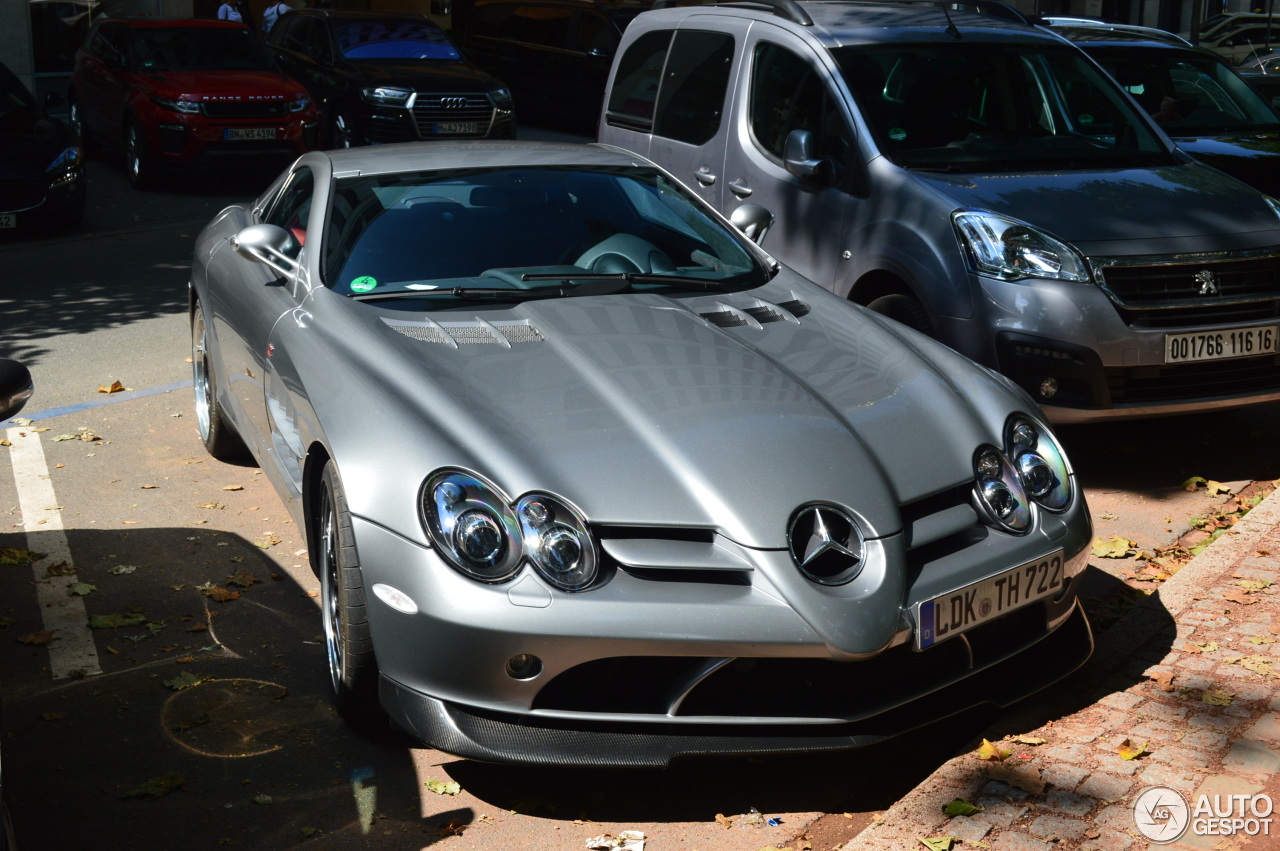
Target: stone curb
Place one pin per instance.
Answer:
(915, 814)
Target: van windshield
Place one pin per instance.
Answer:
(971, 106)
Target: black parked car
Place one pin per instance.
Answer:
(555, 53)
(389, 77)
(1207, 108)
(42, 178)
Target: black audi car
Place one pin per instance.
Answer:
(42, 178)
(1203, 105)
(381, 77)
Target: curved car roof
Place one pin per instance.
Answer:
(476, 153)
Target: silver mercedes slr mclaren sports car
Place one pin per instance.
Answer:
(589, 478)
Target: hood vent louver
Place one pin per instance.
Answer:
(755, 315)
(455, 334)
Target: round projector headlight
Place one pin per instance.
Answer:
(471, 525)
(1042, 466)
(1000, 491)
(557, 541)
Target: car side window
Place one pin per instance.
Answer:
(293, 205)
(594, 35)
(545, 25)
(694, 84)
(788, 94)
(489, 19)
(635, 83)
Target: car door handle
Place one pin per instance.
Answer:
(704, 176)
(739, 188)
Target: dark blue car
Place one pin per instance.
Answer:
(42, 177)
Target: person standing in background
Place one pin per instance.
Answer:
(272, 14)
(231, 10)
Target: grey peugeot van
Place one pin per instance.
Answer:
(972, 176)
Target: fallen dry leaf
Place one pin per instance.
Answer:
(115, 387)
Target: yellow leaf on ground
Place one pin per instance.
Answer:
(1128, 750)
(1113, 546)
(989, 751)
(1217, 697)
(115, 387)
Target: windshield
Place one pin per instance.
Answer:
(17, 106)
(160, 49)
(526, 229)
(394, 40)
(1187, 93)
(969, 106)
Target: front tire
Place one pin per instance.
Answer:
(353, 670)
(76, 119)
(217, 434)
(137, 162)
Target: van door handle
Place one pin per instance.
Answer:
(704, 176)
(739, 188)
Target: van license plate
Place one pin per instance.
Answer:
(1221, 345)
(250, 133)
(960, 610)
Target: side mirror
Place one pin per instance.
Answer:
(270, 245)
(753, 220)
(15, 387)
(797, 155)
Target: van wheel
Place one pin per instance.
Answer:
(905, 309)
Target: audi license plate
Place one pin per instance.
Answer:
(963, 609)
(1221, 345)
(249, 133)
(455, 127)
(8, 220)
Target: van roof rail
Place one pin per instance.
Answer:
(794, 12)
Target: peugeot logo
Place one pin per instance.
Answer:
(825, 544)
(1208, 284)
(453, 103)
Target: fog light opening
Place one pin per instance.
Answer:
(1048, 388)
(524, 666)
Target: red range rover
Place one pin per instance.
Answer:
(189, 93)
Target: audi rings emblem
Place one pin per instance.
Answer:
(453, 103)
(825, 544)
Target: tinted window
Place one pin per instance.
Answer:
(595, 34)
(786, 95)
(489, 19)
(293, 205)
(16, 103)
(546, 25)
(691, 99)
(197, 49)
(393, 40)
(635, 84)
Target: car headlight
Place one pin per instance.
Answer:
(502, 98)
(478, 531)
(183, 106)
(68, 159)
(471, 525)
(1009, 249)
(999, 490)
(299, 103)
(1040, 463)
(386, 95)
(557, 542)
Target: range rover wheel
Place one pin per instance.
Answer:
(137, 162)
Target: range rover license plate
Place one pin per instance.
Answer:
(960, 610)
(1221, 345)
(455, 127)
(249, 133)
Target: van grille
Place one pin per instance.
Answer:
(1183, 382)
(1189, 290)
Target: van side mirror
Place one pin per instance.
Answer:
(797, 156)
(15, 387)
(753, 220)
(270, 245)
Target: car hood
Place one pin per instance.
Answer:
(1251, 158)
(227, 85)
(425, 76)
(643, 411)
(1140, 208)
(29, 145)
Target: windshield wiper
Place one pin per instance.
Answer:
(630, 278)
(503, 293)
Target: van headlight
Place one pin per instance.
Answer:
(1012, 250)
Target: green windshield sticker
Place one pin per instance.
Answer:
(363, 284)
(897, 134)
(1086, 118)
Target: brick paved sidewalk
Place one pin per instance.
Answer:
(1190, 673)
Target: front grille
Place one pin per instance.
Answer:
(20, 196)
(245, 109)
(1179, 292)
(432, 110)
(1189, 381)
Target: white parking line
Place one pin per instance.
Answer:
(72, 649)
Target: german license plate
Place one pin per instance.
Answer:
(242, 134)
(957, 611)
(1221, 345)
(8, 220)
(452, 127)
